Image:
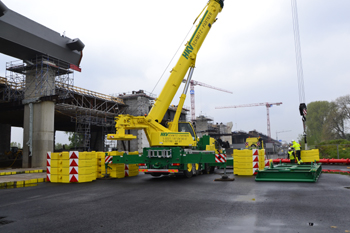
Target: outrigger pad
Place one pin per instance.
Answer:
(224, 178)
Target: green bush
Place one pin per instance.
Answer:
(336, 141)
(328, 150)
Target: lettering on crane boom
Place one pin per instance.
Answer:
(172, 134)
(173, 137)
(197, 34)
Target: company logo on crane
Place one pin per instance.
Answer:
(188, 50)
(189, 47)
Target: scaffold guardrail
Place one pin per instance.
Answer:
(89, 92)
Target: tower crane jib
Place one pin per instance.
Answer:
(268, 105)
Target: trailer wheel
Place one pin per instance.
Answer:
(189, 171)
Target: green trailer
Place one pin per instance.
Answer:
(290, 173)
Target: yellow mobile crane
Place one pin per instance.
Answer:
(172, 151)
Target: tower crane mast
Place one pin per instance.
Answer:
(268, 105)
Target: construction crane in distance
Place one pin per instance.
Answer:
(281, 132)
(195, 83)
(268, 105)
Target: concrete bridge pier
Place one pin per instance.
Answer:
(42, 133)
(38, 124)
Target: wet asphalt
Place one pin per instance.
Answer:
(176, 204)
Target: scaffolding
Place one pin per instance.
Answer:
(83, 128)
(47, 78)
(84, 119)
(37, 78)
(15, 82)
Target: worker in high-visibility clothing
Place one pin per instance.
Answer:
(291, 155)
(297, 147)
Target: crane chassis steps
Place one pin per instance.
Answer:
(290, 173)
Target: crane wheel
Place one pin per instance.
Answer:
(189, 171)
(196, 171)
(211, 170)
(206, 169)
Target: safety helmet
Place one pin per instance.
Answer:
(289, 148)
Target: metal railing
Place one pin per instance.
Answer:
(89, 92)
(339, 151)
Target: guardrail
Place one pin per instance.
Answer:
(3, 80)
(339, 151)
(17, 86)
(21, 86)
(89, 92)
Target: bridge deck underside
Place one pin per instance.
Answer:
(69, 104)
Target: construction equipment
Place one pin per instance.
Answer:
(268, 105)
(284, 131)
(194, 83)
(290, 173)
(14, 153)
(299, 64)
(254, 143)
(174, 148)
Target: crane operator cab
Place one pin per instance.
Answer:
(187, 127)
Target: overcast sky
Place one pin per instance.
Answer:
(249, 51)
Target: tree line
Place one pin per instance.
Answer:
(328, 120)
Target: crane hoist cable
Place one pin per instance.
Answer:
(171, 59)
(299, 64)
(178, 48)
(299, 61)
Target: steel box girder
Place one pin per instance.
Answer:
(24, 39)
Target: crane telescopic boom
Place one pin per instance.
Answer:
(186, 61)
(157, 134)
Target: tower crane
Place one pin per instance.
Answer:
(281, 132)
(268, 105)
(195, 83)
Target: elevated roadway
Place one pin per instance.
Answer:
(69, 100)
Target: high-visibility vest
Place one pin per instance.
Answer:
(291, 156)
(296, 145)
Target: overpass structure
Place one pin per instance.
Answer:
(47, 58)
(38, 92)
(88, 113)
